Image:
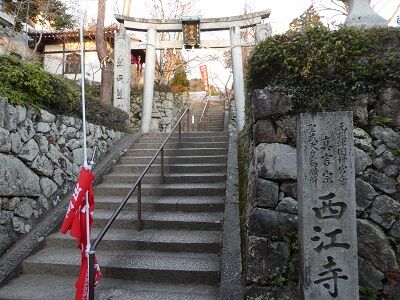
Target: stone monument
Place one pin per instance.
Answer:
(122, 71)
(361, 14)
(327, 206)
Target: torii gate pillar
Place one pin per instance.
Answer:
(149, 74)
(238, 82)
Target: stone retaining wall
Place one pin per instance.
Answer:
(40, 157)
(167, 108)
(271, 220)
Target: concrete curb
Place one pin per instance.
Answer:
(231, 283)
(11, 261)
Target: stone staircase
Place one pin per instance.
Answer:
(175, 256)
(215, 113)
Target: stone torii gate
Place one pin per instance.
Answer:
(153, 26)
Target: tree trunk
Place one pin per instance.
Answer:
(107, 68)
(107, 76)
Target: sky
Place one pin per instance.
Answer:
(282, 13)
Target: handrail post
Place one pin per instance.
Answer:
(188, 120)
(180, 138)
(139, 207)
(208, 122)
(162, 166)
(91, 274)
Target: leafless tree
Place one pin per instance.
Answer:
(170, 60)
(336, 7)
(227, 91)
(41, 31)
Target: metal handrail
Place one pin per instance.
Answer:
(138, 185)
(204, 108)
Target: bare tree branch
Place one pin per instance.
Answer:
(41, 31)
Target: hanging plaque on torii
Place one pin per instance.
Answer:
(191, 32)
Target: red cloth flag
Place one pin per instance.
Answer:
(204, 77)
(75, 221)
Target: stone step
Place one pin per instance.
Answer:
(51, 287)
(201, 268)
(164, 203)
(176, 189)
(168, 178)
(216, 124)
(130, 159)
(215, 128)
(207, 139)
(148, 239)
(161, 220)
(142, 145)
(189, 134)
(179, 152)
(171, 168)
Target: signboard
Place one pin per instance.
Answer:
(191, 33)
(204, 77)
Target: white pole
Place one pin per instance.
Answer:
(238, 81)
(149, 73)
(85, 164)
(83, 90)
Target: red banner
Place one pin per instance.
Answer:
(204, 77)
(75, 221)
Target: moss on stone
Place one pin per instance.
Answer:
(243, 150)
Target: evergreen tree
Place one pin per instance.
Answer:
(33, 11)
(179, 82)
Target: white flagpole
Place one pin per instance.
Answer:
(83, 88)
(85, 163)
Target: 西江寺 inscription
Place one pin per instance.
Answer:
(327, 206)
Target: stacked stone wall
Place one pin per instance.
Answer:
(271, 221)
(167, 108)
(40, 157)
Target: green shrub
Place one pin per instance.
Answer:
(26, 83)
(65, 97)
(322, 69)
(106, 115)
